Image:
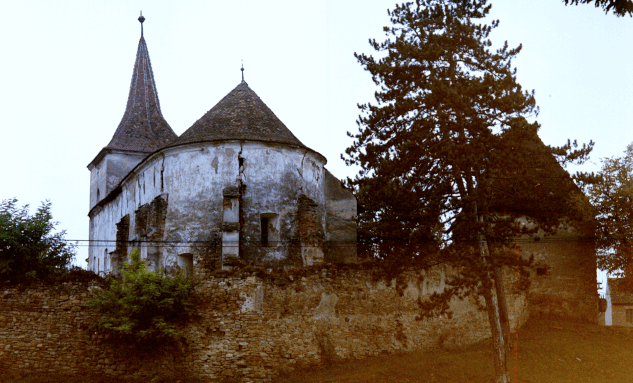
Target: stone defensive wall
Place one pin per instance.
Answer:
(247, 328)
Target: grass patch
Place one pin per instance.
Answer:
(546, 351)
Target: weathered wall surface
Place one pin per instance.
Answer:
(563, 283)
(108, 171)
(341, 220)
(246, 327)
(191, 179)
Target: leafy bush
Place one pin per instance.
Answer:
(143, 305)
(28, 249)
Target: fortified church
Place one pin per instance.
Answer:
(237, 186)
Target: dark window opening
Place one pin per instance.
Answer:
(265, 223)
(241, 161)
(98, 195)
(541, 271)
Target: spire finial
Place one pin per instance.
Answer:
(141, 19)
(242, 70)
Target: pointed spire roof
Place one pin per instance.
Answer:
(240, 115)
(143, 127)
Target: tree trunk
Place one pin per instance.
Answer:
(503, 304)
(498, 343)
(494, 318)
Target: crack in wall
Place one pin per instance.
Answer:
(300, 170)
(162, 171)
(241, 164)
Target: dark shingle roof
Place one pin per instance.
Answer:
(143, 128)
(619, 292)
(533, 167)
(240, 115)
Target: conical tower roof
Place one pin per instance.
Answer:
(240, 115)
(143, 127)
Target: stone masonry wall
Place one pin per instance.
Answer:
(618, 315)
(246, 328)
(563, 282)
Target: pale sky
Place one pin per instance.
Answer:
(66, 66)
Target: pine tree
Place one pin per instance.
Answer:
(442, 154)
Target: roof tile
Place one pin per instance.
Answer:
(240, 115)
(143, 127)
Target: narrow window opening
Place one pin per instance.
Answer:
(98, 195)
(240, 161)
(541, 271)
(270, 229)
(265, 223)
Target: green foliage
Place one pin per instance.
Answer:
(29, 249)
(611, 192)
(618, 7)
(143, 306)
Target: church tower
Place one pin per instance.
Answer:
(142, 130)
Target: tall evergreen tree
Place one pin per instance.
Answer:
(442, 153)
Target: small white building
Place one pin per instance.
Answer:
(619, 296)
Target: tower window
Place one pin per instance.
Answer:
(265, 224)
(98, 195)
(269, 229)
